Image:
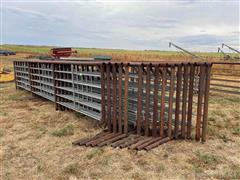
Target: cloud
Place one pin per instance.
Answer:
(35, 15)
(196, 25)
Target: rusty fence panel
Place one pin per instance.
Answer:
(158, 100)
(225, 78)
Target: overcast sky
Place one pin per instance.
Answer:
(195, 25)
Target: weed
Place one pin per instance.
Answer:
(231, 172)
(236, 131)
(95, 153)
(20, 95)
(236, 174)
(39, 168)
(106, 160)
(71, 168)
(3, 113)
(228, 100)
(160, 168)
(126, 167)
(205, 160)
(41, 131)
(66, 131)
(224, 138)
(138, 176)
(79, 115)
(1, 133)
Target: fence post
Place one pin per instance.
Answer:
(178, 96)
(163, 93)
(199, 105)
(206, 98)
(190, 100)
(170, 106)
(147, 111)
(120, 98)
(103, 118)
(126, 99)
(155, 103)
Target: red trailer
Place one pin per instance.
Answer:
(61, 52)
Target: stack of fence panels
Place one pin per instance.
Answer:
(156, 99)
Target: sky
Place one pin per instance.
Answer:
(138, 25)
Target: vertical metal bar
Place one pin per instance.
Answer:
(178, 96)
(155, 103)
(139, 103)
(199, 105)
(184, 101)
(103, 111)
(73, 86)
(206, 97)
(147, 111)
(170, 103)
(126, 99)
(54, 86)
(15, 75)
(163, 93)
(120, 98)
(190, 100)
(114, 98)
(109, 98)
(30, 76)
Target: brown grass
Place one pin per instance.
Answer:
(36, 144)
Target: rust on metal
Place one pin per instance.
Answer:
(147, 111)
(162, 112)
(114, 94)
(155, 103)
(206, 97)
(184, 101)
(178, 96)
(139, 98)
(170, 103)
(199, 105)
(126, 78)
(120, 98)
(190, 101)
(164, 140)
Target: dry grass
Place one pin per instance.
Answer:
(36, 144)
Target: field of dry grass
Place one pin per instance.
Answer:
(36, 144)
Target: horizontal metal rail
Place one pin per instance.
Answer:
(225, 79)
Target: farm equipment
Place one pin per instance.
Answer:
(225, 56)
(234, 50)
(7, 52)
(102, 58)
(184, 50)
(6, 75)
(57, 53)
(230, 48)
